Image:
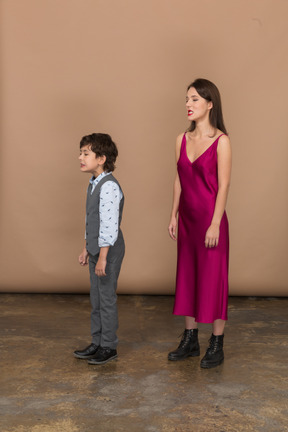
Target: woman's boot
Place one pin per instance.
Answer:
(214, 355)
(188, 347)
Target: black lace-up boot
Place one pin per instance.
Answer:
(188, 347)
(214, 355)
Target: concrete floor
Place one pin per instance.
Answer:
(43, 388)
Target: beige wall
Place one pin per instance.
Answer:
(72, 67)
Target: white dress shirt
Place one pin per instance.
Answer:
(110, 197)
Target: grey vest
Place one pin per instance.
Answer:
(93, 219)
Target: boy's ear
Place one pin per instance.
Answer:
(102, 159)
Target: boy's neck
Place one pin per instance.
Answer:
(97, 173)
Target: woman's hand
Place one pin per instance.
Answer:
(83, 257)
(172, 228)
(212, 236)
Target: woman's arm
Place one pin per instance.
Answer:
(172, 228)
(224, 174)
(176, 195)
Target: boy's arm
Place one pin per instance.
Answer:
(102, 261)
(110, 197)
(83, 257)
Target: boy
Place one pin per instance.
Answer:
(104, 245)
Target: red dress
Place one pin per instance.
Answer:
(202, 273)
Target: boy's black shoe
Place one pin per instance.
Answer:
(88, 353)
(103, 355)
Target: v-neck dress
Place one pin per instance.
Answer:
(202, 273)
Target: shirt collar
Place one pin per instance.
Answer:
(96, 180)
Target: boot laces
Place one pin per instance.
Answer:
(214, 346)
(185, 339)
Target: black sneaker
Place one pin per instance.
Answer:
(103, 356)
(87, 353)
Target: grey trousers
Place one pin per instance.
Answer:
(103, 298)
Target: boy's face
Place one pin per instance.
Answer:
(91, 163)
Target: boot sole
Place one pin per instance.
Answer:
(211, 365)
(194, 354)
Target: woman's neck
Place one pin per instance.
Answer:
(204, 129)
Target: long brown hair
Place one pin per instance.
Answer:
(207, 90)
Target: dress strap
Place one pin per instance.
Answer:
(183, 143)
(217, 140)
(220, 136)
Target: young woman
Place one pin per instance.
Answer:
(203, 155)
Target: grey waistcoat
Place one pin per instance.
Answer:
(93, 219)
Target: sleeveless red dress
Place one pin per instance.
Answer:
(202, 273)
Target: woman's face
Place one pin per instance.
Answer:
(197, 107)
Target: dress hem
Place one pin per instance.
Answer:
(201, 321)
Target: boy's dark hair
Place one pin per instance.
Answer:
(102, 145)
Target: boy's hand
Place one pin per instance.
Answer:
(100, 267)
(102, 261)
(83, 258)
